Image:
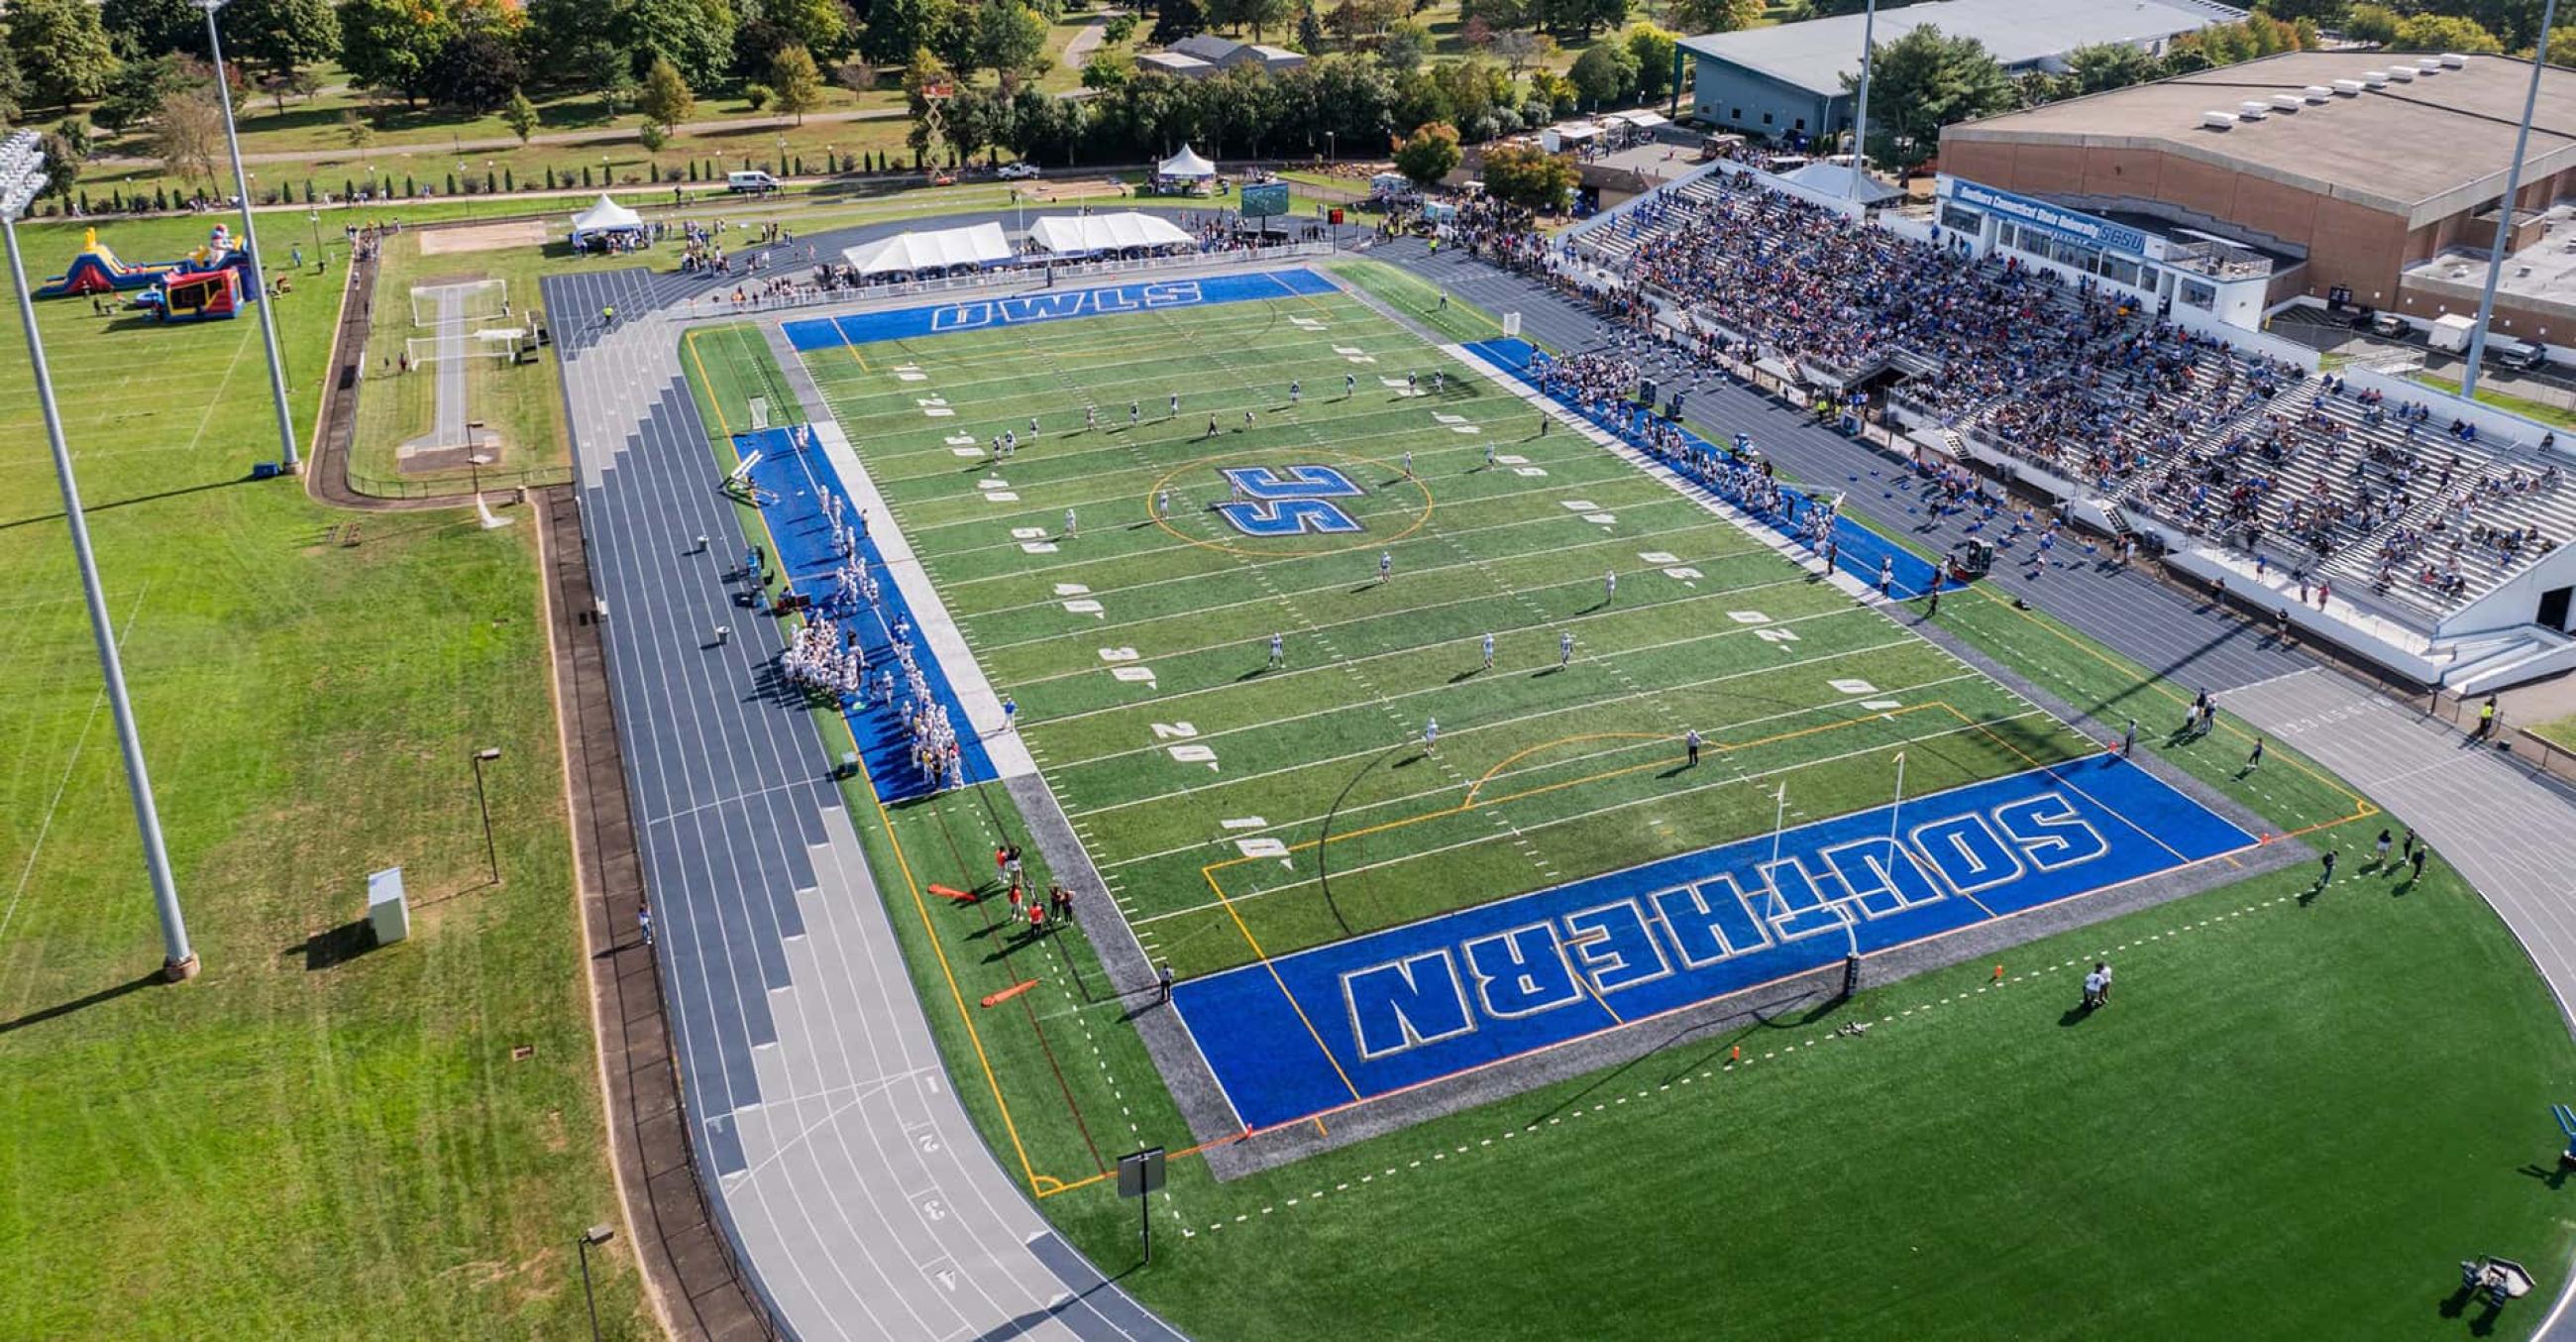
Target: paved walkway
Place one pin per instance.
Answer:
(861, 1199)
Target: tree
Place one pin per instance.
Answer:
(652, 137)
(1310, 30)
(281, 37)
(1607, 73)
(1716, 16)
(2444, 32)
(1176, 19)
(2371, 23)
(1404, 46)
(1519, 49)
(477, 70)
(136, 91)
(1578, 16)
(695, 36)
(390, 44)
(63, 159)
(825, 28)
(1009, 36)
(665, 99)
(142, 29)
(1924, 81)
(794, 84)
(187, 133)
(2109, 65)
(1429, 154)
(606, 70)
(1528, 176)
(75, 138)
(1107, 69)
(355, 130)
(898, 28)
(1259, 15)
(1654, 49)
(2562, 45)
(62, 49)
(2324, 13)
(520, 115)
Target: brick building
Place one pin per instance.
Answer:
(2372, 177)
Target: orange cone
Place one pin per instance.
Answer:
(1999, 973)
(1735, 1054)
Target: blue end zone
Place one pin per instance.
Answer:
(1412, 1004)
(800, 478)
(1861, 549)
(1051, 305)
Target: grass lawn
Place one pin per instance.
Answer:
(2541, 411)
(289, 1145)
(2273, 1082)
(2560, 730)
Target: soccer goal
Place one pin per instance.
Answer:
(481, 341)
(465, 301)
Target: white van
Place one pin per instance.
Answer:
(754, 183)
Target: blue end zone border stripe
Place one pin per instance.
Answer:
(799, 478)
(1860, 548)
(1464, 990)
(1050, 305)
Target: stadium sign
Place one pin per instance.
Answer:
(1296, 502)
(2070, 224)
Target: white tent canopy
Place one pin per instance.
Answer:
(939, 249)
(1186, 163)
(1835, 179)
(605, 217)
(1084, 234)
(1390, 183)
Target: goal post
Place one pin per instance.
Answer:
(498, 342)
(465, 301)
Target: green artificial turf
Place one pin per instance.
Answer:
(2297, 1116)
(307, 1140)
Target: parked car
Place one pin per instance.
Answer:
(1017, 171)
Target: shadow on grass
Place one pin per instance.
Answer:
(57, 515)
(62, 1009)
(1714, 1039)
(334, 946)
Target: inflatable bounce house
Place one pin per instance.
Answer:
(195, 296)
(96, 270)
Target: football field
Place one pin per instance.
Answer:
(1332, 480)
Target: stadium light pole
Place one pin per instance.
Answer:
(2504, 222)
(250, 245)
(22, 175)
(1860, 111)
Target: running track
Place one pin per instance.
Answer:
(860, 1201)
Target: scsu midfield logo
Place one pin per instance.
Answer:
(1294, 502)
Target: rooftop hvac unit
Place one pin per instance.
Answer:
(2453, 59)
(2317, 93)
(2377, 79)
(2431, 65)
(2287, 102)
(2218, 120)
(2253, 111)
(2350, 88)
(2403, 74)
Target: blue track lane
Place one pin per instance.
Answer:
(1325, 1028)
(1861, 548)
(1052, 305)
(800, 478)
